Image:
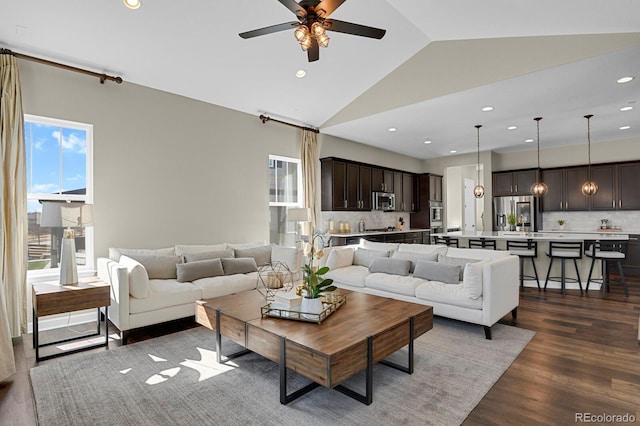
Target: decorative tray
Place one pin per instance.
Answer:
(329, 308)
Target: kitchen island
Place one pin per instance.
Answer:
(542, 261)
(387, 235)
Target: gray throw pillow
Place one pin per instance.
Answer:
(261, 254)
(390, 266)
(414, 257)
(437, 271)
(364, 257)
(239, 265)
(207, 255)
(158, 267)
(192, 271)
(461, 262)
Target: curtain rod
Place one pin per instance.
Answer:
(266, 118)
(102, 77)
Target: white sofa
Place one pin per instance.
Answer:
(151, 286)
(486, 289)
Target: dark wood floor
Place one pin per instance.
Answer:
(584, 358)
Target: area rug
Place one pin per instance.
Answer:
(174, 380)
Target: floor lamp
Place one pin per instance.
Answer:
(72, 215)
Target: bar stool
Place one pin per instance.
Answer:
(447, 241)
(606, 251)
(482, 243)
(525, 250)
(564, 250)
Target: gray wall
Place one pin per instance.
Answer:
(171, 170)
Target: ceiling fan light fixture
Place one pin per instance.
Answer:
(317, 29)
(132, 4)
(323, 40)
(301, 33)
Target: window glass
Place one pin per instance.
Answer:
(59, 171)
(285, 191)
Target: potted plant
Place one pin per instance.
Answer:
(314, 283)
(561, 223)
(511, 220)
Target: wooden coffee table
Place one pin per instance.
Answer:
(361, 333)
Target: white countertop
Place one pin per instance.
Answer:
(362, 234)
(541, 236)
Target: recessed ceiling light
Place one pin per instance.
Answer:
(528, 140)
(625, 79)
(392, 129)
(625, 127)
(132, 4)
(301, 73)
(487, 108)
(626, 108)
(427, 141)
(512, 127)
(453, 151)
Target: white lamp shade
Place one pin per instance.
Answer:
(76, 215)
(299, 215)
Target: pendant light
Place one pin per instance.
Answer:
(539, 188)
(478, 190)
(589, 188)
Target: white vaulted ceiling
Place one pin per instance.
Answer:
(439, 63)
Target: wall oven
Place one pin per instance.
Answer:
(435, 214)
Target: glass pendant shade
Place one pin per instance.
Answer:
(301, 33)
(478, 191)
(539, 188)
(589, 188)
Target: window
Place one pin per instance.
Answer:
(285, 190)
(59, 170)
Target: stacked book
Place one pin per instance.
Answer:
(287, 302)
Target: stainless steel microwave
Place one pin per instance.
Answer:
(385, 201)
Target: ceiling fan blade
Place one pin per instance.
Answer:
(355, 29)
(269, 30)
(293, 6)
(313, 53)
(326, 7)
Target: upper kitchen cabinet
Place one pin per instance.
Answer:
(345, 185)
(435, 188)
(404, 190)
(628, 188)
(607, 196)
(381, 179)
(617, 187)
(565, 189)
(516, 182)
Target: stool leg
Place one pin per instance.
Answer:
(624, 282)
(593, 261)
(548, 272)
(605, 275)
(575, 263)
(562, 275)
(535, 271)
(521, 272)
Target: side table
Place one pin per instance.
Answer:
(49, 298)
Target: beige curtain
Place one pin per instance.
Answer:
(309, 156)
(13, 213)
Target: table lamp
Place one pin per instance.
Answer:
(72, 215)
(299, 215)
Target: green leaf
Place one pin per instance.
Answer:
(322, 270)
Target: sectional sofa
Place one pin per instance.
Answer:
(151, 286)
(473, 285)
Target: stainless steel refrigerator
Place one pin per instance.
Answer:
(526, 209)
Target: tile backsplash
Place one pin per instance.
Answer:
(628, 220)
(372, 219)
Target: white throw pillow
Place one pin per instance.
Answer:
(373, 245)
(422, 248)
(290, 256)
(138, 277)
(472, 280)
(246, 245)
(340, 258)
(198, 248)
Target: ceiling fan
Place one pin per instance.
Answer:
(312, 24)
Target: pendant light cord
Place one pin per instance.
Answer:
(588, 117)
(478, 162)
(538, 131)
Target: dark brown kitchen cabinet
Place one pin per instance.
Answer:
(409, 198)
(381, 179)
(516, 182)
(435, 188)
(565, 189)
(397, 190)
(631, 263)
(345, 186)
(628, 188)
(606, 197)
